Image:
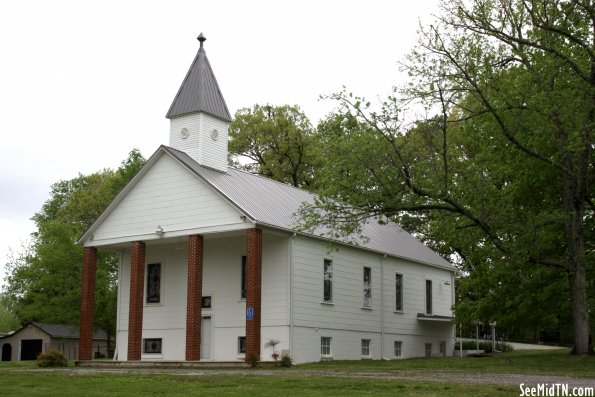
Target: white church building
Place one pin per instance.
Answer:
(212, 263)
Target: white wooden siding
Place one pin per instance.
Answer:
(199, 145)
(170, 196)
(346, 321)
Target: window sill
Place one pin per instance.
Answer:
(367, 308)
(398, 311)
(327, 303)
(153, 304)
(152, 356)
(326, 358)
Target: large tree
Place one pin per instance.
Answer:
(44, 280)
(275, 141)
(501, 176)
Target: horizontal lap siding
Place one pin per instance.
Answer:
(346, 322)
(346, 312)
(170, 196)
(414, 296)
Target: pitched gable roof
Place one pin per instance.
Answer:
(199, 91)
(272, 203)
(66, 331)
(58, 331)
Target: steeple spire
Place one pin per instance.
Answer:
(199, 91)
(198, 116)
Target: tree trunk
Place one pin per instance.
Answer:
(578, 268)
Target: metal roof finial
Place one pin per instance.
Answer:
(201, 37)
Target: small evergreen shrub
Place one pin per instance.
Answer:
(51, 358)
(286, 361)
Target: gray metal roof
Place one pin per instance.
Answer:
(275, 204)
(58, 331)
(66, 331)
(199, 91)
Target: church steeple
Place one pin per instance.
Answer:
(199, 118)
(199, 91)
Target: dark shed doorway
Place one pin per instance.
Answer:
(30, 348)
(7, 352)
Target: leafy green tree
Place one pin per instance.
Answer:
(501, 178)
(44, 281)
(8, 321)
(277, 141)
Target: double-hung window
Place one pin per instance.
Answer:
(398, 348)
(365, 347)
(325, 346)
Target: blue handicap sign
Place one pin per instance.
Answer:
(250, 313)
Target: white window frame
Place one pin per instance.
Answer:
(326, 348)
(367, 289)
(399, 294)
(365, 347)
(398, 346)
(325, 274)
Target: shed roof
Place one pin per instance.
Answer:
(58, 331)
(272, 203)
(66, 331)
(199, 91)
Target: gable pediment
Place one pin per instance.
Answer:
(166, 194)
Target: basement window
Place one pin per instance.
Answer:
(241, 344)
(398, 348)
(152, 346)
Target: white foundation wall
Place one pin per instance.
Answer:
(347, 322)
(222, 261)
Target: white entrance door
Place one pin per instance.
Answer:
(205, 338)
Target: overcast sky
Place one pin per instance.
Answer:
(84, 82)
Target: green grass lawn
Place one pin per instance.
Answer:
(23, 379)
(541, 362)
(61, 384)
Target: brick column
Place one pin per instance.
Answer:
(194, 297)
(253, 291)
(135, 314)
(87, 303)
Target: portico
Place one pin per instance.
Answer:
(139, 290)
